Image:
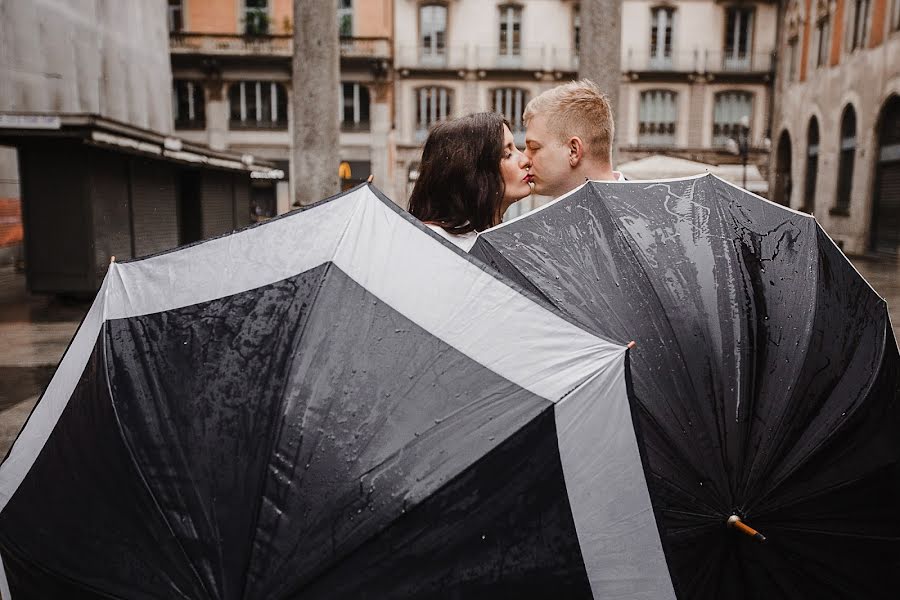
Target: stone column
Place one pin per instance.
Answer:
(316, 76)
(600, 52)
(216, 114)
(379, 149)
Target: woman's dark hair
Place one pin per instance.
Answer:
(460, 186)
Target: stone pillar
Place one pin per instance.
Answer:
(316, 76)
(379, 149)
(216, 115)
(600, 51)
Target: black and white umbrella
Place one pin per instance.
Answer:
(330, 405)
(766, 375)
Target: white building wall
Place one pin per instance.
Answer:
(865, 79)
(107, 57)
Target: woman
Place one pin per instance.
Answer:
(471, 172)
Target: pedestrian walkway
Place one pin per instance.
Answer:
(34, 333)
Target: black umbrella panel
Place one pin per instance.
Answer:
(765, 372)
(333, 404)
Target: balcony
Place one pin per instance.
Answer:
(227, 44)
(697, 61)
(476, 57)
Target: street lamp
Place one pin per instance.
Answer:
(740, 144)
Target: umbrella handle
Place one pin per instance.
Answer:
(735, 522)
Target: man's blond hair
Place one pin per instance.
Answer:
(577, 109)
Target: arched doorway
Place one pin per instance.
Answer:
(812, 167)
(886, 197)
(783, 183)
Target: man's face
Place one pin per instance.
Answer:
(549, 159)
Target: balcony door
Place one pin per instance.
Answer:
(738, 34)
(433, 32)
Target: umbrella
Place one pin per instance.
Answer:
(765, 376)
(333, 404)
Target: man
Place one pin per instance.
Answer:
(569, 138)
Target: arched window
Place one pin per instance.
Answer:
(510, 41)
(434, 104)
(661, 33)
(345, 18)
(188, 104)
(860, 24)
(657, 118)
(812, 167)
(433, 30)
(728, 110)
(354, 103)
(258, 105)
(510, 102)
(846, 157)
(886, 199)
(783, 181)
(738, 37)
(256, 17)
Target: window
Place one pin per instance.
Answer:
(354, 107)
(728, 110)
(812, 166)
(661, 37)
(846, 158)
(576, 28)
(188, 106)
(823, 32)
(258, 105)
(657, 118)
(860, 24)
(256, 17)
(434, 105)
(433, 28)
(510, 30)
(345, 18)
(176, 16)
(792, 58)
(510, 102)
(738, 29)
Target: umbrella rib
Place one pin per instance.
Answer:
(274, 441)
(812, 452)
(134, 463)
(627, 237)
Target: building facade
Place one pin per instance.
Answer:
(694, 71)
(231, 89)
(86, 143)
(836, 153)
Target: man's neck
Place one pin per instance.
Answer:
(599, 173)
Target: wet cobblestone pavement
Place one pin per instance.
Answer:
(35, 331)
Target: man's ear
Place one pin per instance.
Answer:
(575, 148)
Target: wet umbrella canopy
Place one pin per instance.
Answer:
(333, 404)
(766, 375)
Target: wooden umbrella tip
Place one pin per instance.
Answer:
(112, 259)
(632, 344)
(370, 179)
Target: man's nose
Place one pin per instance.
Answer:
(524, 160)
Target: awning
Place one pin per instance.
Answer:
(669, 167)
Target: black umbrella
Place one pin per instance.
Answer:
(765, 372)
(333, 404)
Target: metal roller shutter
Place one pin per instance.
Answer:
(241, 200)
(154, 194)
(886, 221)
(216, 201)
(109, 201)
